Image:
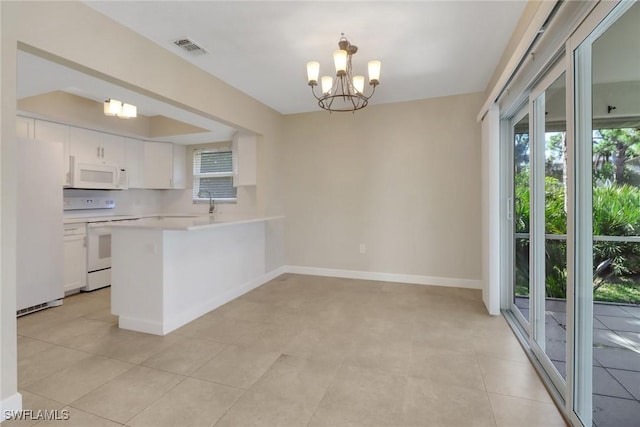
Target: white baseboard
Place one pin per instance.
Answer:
(386, 277)
(10, 405)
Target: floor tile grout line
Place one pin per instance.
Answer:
(622, 385)
(80, 397)
(95, 415)
(549, 402)
(246, 391)
(326, 390)
(96, 388)
(155, 400)
(486, 392)
(615, 397)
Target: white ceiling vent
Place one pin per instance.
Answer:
(189, 46)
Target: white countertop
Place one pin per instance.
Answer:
(98, 218)
(77, 217)
(188, 223)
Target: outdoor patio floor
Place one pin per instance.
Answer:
(616, 357)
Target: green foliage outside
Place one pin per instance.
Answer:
(616, 212)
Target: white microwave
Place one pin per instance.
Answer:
(99, 177)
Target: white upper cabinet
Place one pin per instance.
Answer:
(244, 159)
(24, 127)
(49, 131)
(88, 146)
(134, 162)
(155, 165)
(112, 149)
(179, 166)
(158, 165)
(149, 165)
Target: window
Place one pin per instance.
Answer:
(213, 173)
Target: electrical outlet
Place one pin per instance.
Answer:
(363, 248)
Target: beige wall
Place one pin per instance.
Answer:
(404, 179)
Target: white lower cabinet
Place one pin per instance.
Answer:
(75, 257)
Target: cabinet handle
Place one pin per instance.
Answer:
(102, 152)
(98, 151)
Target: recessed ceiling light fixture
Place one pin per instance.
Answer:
(113, 107)
(346, 93)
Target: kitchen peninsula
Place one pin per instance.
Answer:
(167, 272)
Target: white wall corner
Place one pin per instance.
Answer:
(491, 210)
(9, 406)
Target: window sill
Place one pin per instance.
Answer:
(216, 201)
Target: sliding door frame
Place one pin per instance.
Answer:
(508, 244)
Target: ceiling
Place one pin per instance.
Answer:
(427, 48)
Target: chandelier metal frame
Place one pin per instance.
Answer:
(342, 89)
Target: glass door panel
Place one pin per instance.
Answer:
(615, 150)
(521, 184)
(555, 213)
(549, 225)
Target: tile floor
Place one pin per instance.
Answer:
(616, 357)
(298, 351)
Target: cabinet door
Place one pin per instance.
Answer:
(85, 145)
(134, 162)
(112, 150)
(179, 166)
(24, 127)
(244, 160)
(158, 165)
(48, 131)
(75, 262)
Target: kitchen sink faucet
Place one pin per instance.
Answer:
(212, 204)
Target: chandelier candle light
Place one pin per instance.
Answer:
(346, 92)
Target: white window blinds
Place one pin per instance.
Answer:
(213, 173)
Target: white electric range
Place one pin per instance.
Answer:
(98, 235)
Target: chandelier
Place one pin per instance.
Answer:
(346, 92)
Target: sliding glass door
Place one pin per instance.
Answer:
(573, 213)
